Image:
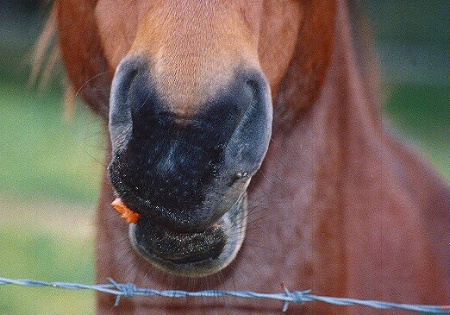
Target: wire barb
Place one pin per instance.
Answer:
(130, 290)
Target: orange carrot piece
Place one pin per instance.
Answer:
(126, 213)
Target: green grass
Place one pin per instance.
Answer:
(49, 184)
(50, 241)
(43, 156)
(37, 255)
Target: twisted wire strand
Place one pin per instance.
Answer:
(130, 290)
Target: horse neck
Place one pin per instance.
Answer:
(338, 177)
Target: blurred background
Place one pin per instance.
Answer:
(50, 168)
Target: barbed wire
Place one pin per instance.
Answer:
(130, 290)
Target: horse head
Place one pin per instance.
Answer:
(190, 113)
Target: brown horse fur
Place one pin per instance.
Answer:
(339, 206)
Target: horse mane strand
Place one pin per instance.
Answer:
(46, 56)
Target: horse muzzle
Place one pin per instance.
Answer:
(187, 175)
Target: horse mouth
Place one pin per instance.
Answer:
(191, 254)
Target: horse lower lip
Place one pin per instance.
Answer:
(179, 247)
(195, 254)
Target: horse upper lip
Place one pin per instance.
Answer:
(178, 221)
(192, 254)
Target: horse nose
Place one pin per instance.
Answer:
(135, 104)
(181, 170)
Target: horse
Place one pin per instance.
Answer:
(246, 137)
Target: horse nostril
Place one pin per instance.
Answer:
(127, 80)
(120, 114)
(134, 103)
(238, 177)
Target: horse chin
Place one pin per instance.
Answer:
(195, 254)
